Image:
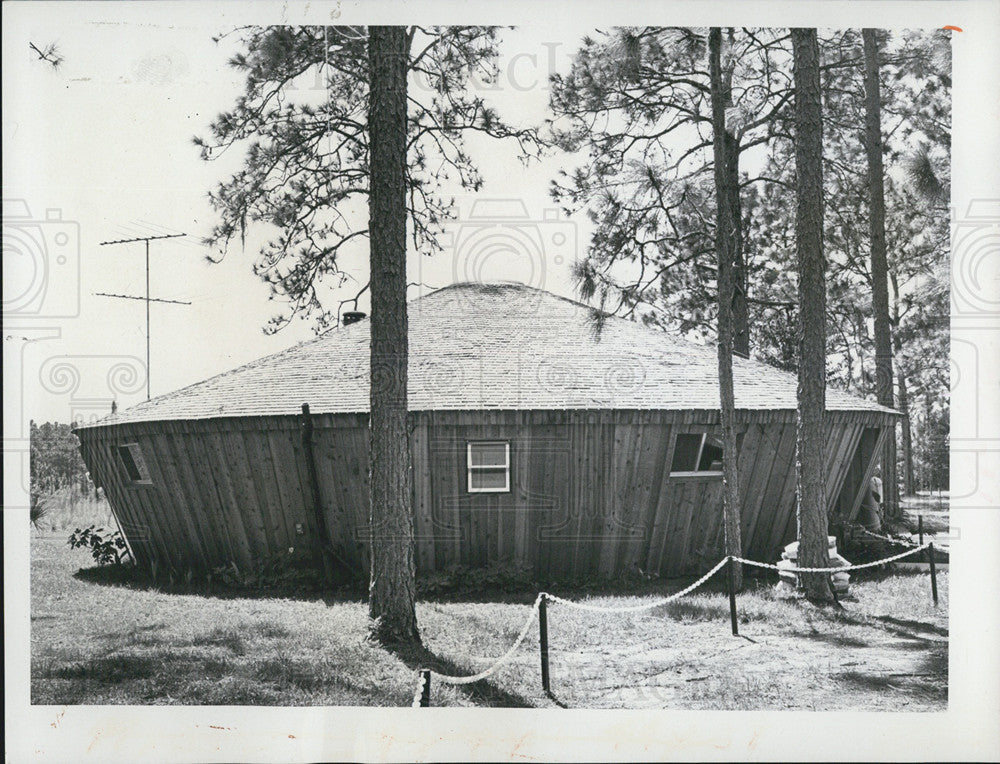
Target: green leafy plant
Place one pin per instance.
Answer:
(107, 548)
(293, 570)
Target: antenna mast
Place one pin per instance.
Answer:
(147, 299)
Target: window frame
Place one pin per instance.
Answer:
(471, 469)
(135, 454)
(701, 449)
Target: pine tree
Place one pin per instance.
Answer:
(810, 438)
(638, 102)
(879, 266)
(726, 247)
(312, 170)
(392, 589)
(304, 175)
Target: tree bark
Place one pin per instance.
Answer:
(392, 584)
(810, 436)
(726, 247)
(907, 439)
(879, 265)
(738, 300)
(903, 401)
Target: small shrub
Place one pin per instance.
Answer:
(106, 548)
(40, 509)
(464, 580)
(294, 571)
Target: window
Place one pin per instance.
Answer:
(696, 454)
(488, 466)
(130, 455)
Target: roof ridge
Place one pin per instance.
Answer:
(499, 323)
(520, 285)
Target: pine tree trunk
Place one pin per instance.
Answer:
(907, 439)
(392, 586)
(879, 265)
(726, 246)
(741, 316)
(810, 440)
(903, 401)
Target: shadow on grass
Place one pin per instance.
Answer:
(142, 636)
(868, 682)
(232, 639)
(136, 579)
(906, 630)
(914, 625)
(929, 679)
(132, 578)
(936, 662)
(170, 676)
(572, 589)
(484, 692)
(229, 639)
(837, 640)
(112, 669)
(691, 611)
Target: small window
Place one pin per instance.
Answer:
(489, 466)
(130, 455)
(696, 454)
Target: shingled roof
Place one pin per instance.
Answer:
(490, 346)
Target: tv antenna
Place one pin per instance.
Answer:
(147, 299)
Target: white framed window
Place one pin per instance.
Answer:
(696, 453)
(131, 458)
(488, 466)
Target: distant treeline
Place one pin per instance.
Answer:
(55, 459)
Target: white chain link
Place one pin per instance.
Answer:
(421, 680)
(639, 608)
(501, 660)
(634, 609)
(901, 542)
(843, 569)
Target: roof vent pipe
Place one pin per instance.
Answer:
(352, 317)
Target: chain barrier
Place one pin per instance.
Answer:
(640, 608)
(899, 542)
(422, 677)
(499, 662)
(421, 682)
(843, 569)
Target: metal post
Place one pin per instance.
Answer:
(147, 320)
(425, 693)
(543, 642)
(325, 545)
(930, 552)
(920, 528)
(731, 578)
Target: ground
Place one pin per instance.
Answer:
(98, 643)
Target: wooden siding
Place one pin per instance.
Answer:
(591, 493)
(859, 472)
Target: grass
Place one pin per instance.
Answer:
(932, 507)
(68, 508)
(95, 642)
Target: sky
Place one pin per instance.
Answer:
(100, 149)
(103, 143)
